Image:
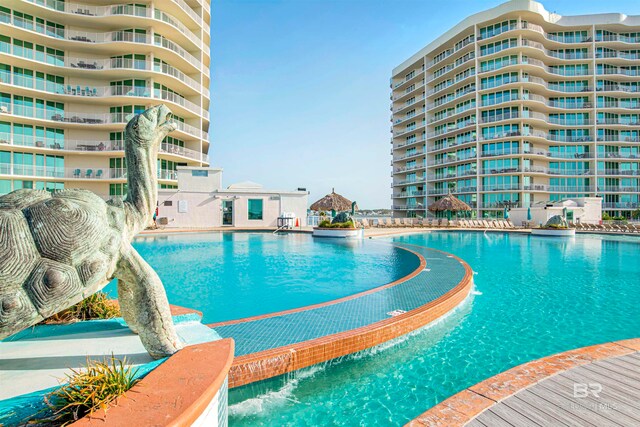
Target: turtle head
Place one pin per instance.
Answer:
(148, 129)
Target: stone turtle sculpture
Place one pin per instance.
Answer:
(556, 221)
(58, 248)
(341, 217)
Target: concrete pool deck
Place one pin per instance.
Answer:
(277, 343)
(590, 386)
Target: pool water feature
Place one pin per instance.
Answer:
(235, 275)
(534, 296)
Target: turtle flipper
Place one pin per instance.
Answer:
(145, 305)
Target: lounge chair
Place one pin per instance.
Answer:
(397, 223)
(387, 223)
(444, 223)
(453, 223)
(365, 223)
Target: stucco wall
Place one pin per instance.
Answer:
(205, 209)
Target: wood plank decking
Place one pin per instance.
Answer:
(602, 393)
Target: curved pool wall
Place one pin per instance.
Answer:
(229, 275)
(272, 345)
(535, 296)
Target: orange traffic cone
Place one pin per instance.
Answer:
(297, 222)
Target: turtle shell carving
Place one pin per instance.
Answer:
(55, 250)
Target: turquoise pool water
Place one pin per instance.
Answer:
(534, 296)
(234, 275)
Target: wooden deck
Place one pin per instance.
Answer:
(602, 393)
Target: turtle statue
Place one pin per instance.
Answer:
(341, 217)
(556, 221)
(58, 248)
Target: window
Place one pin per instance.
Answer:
(254, 208)
(168, 203)
(201, 173)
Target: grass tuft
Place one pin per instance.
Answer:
(96, 306)
(88, 390)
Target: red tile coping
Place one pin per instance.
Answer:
(265, 364)
(462, 407)
(176, 393)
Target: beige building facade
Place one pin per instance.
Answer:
(73, 74)
(200, 201)
(515, 106)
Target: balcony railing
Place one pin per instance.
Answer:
(622, 172)
(618, 88)
(620, 205)
(92, 146)
(100, 91)
(86, 118)
(77, 173)
(619, 138)
(118, 10)
(618, 189)
(619, 155)
(103, 64)
(98, 38)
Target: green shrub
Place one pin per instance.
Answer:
(89, 389)
(325, 224)
(96, 306)
(557, 226)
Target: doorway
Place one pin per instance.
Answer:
(227, 212)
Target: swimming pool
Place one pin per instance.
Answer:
(534, 296)
(234, 275)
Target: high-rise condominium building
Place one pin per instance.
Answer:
(516, 105)
(73, 74)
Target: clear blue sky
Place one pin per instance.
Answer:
(300, 88)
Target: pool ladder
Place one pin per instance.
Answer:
(282, 227)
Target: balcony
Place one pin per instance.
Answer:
(119, 10)
(104, 64)
(619, 155)
(453, 144)
(619, 138)
(618, 88)
(618, 121)
(99, 38)
(100, 91)
(93, 146)
(86, 118)
(620, 205)
(408, 143)
(84, 174)
(619, 55)
(409, 194)
(619, 172)
(618, 189)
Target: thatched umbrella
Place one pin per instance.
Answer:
(333, 202)
(449, 203)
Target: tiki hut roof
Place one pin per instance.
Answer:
(333, 201)
(449, 203)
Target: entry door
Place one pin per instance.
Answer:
(227, 212)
